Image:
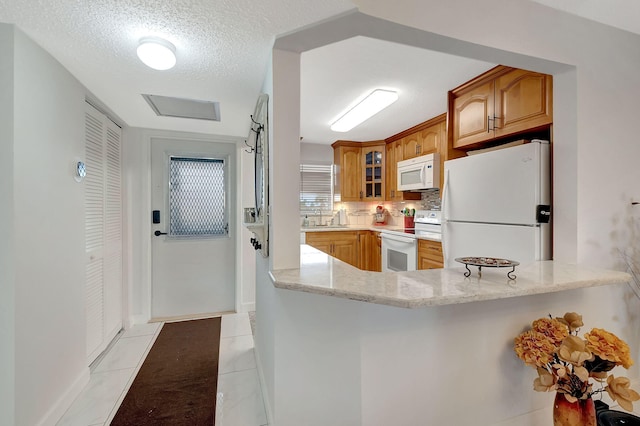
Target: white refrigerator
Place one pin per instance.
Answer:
(497, 204)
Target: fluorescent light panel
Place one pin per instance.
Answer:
(375, 102)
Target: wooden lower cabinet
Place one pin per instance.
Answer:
(370, 251)
(361, 249)
(375, 243)
(343, 245)
(430, 255)
(364, 250)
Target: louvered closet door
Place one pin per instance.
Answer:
(103, 227)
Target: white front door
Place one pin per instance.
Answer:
(193, 228)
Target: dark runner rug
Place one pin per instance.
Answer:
(177, 382)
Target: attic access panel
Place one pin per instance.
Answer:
(166, 106)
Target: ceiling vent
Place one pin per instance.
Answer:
(166, 106)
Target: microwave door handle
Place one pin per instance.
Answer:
(422, 170)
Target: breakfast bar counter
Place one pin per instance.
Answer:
(384, 348)
(322, 274)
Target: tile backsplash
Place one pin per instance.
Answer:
(363, 213)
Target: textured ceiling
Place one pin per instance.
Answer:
(334, 76)
(223, 47)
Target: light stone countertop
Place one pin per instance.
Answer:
(322, 274)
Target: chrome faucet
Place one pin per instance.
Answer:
(319, 214)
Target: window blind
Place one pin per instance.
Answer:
(316, 188)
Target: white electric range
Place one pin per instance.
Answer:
(400, 249)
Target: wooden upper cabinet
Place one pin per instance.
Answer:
(471, 115)
(372, 165)
(399, 149)
(391, 170)
(348, 179)
(501, 102)
(442, 147)
(359, 170)
(425, 138)
(394, 153)
(523, 101)
(411, 146)
(430, 139)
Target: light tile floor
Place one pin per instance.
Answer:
(239, 398)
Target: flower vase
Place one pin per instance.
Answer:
(579, 413)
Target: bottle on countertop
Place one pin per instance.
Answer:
(305, 222)
(342, 217)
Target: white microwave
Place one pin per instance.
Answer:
(419, 173)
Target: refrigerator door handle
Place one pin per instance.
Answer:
(445, 245)
(445, 188)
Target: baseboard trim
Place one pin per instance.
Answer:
(263, 387)
(138, 319)
(247, 307)
(190, 317)
(55, 413)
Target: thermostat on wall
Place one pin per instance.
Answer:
(81, 171)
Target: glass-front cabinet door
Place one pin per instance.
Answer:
(373, 172)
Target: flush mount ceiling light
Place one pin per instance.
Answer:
(157, 53)
(375, 102)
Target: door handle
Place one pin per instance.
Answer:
(158, 233)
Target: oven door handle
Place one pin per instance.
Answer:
(397, 238)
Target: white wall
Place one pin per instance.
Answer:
(7, 236)
(264, 335)
(595, 89)
(607, 84)
(246, 253)
(378, 365)
(136, 169)
(48, 226)
(315, 153)
(284, 161)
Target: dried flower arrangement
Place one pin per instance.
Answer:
(566, 363)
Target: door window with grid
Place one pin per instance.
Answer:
(197, 197)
